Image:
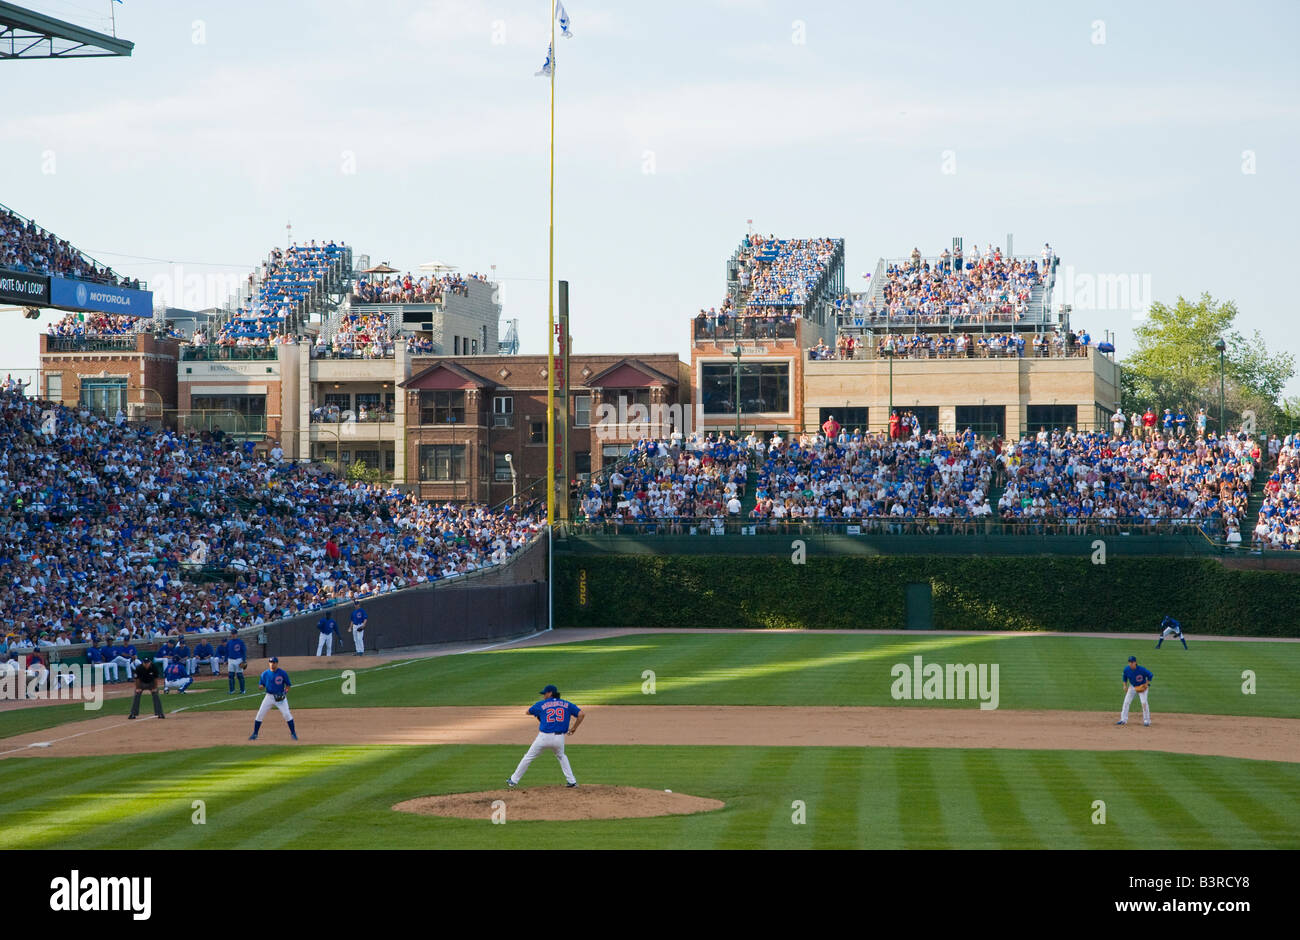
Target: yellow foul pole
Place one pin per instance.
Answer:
(550, 306)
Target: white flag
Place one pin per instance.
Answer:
(545, 70)
(563, 18)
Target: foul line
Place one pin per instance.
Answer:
(185, 708)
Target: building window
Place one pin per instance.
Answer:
(455, 345)
(581, 411)
(633, 396)
(984, 420)
(503, 411)
(473, 345)
(537, 432)
(614, 451)
(106, 395)
(234, 414)
(848, 418)
(442, 407)
(582, 464)
(368, 457)
(390, 461)
(54, 387)
(340, 400)
(500, 468)
(369, 401)
(442, 462)
(764, 387)
(1051, 417)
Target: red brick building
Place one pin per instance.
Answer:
(135, 373)
(464, 415)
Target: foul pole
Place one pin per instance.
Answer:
(550, 302)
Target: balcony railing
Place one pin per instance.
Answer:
(91, 343)
(367, 352)
(227, 353)
(980, 316)
(875, 352)
(722, 329)
(350, 417)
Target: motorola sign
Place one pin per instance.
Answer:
(69, 294)
(21, 287)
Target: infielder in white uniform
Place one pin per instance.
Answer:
(553, 714)
(275, 682)
(358, 628)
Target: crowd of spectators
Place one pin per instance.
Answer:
(417, 345)
(1056, 344)
(915, 480)
(288, 281)
(408, 289)
(982, 288)
(782, 272)
(1278, 525)
(90, 325)
(359, 336)
(113, 529)
(25, 246)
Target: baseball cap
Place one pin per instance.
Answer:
(274, 659)
(1132, 659)
(549, 688)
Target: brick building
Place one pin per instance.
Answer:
(135, 373)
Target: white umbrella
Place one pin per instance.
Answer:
(438, 266)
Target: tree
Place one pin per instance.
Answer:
(1175, 364)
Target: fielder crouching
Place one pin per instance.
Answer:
(177, 677)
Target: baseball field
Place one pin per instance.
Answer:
(765, 740)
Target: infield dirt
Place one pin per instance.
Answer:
(559, 803)
(759, 726)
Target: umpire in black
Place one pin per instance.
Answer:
(146, 679)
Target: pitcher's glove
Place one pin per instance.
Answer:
(280, 697)
(1141, 688)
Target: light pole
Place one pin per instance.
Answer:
(1221, 346)
(514, 482)
(889, 351)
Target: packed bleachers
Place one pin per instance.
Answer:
(110, 528)
(1055, 481)
(409, 289)
(978, 288)
(289, 280)
(783, 272)
(1277, 526)
(25, 246)
(1011, 345)
(359, 336)
(93, 325)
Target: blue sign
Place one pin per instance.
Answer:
(71, 294)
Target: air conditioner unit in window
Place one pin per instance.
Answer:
(501, 421)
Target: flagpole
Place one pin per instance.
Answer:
(550, 303)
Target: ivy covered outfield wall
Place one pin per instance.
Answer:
(1026, 593)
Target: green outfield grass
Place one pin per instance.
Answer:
(1071, 672)
(340, 797)
(1074, 672)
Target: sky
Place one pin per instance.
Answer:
(1153, 145)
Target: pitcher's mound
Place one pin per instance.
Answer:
(557, 803)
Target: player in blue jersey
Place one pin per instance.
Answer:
(329, 629)
(358, 628)
(1171, 627)
(236, 661)
(553, 715)
(1137, 680)
(181, 651)
(176, 676)
(204, 654)
(275, 682)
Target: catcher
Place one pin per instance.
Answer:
(1137, 680)
(146, 680)
(275, 682)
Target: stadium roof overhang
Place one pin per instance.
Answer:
(26, 34)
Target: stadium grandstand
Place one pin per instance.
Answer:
(914, 482)
(114, 529)
(26, 246)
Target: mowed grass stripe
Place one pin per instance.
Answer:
(754, 827)
(1057, 776)
(919, 800)
(1155, 798)
(998, 802)
(880, 823)
(1258, 818)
